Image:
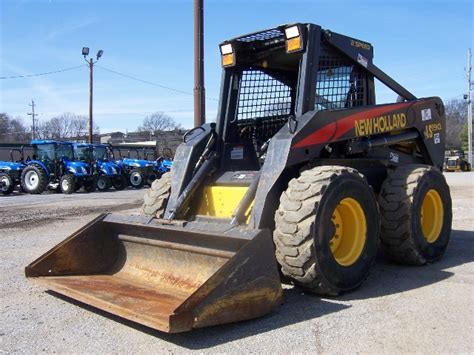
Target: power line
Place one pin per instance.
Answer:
(41, 74)
(150, 82)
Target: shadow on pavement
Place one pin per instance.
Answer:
(297, 307)
(386, 278)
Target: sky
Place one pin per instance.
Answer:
(421, 44)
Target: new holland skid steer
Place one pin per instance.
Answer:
(298, 180)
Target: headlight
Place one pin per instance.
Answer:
(114, 171)
(135, 164)
(84, 170)
(73, 170)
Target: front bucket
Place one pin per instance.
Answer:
(170, 278)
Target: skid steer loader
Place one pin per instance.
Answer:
(299, 180)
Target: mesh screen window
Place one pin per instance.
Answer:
(339, 84)
(262, 96)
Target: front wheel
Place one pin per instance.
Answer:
(136, 179)
(327, 230)
(67, 184)
(119, 182)
(103, 183)
(89, 185)
(6, 184)
(150, 178)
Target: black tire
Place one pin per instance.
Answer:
(304, 230)
(119, 182)
(103, 183)
(67, 184)
(33, 179)
(89, 185)
(150, 178)
(78, 186)
(156, 198)
(136, 179)
(7, 184)
(401, 200)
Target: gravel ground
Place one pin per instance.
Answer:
(398, 309)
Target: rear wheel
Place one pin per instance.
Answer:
(156, 198)
(119, 182)
(34, 179)
(103, 183)
(6, 184)
(326, 230)
(136, 179)
(415, 206)
(67, 184)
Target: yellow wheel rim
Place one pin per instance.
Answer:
(350, 233)
(432, 213)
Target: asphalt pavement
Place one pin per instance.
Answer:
(399, 309)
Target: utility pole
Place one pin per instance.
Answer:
(469, 106)
(32, 114)
(90, 63)
(199, 90)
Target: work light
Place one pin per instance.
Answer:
(228, 57)
(294, 40)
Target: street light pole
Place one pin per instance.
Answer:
(91, 79)
(90, 63)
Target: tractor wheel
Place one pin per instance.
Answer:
(150, 178)
(119, 182)
(90, 185)
(67, 184)
(103, 183)
(34, 179)
(78, 186)
(326, 230)
(136, 179)
(156, 198)
(415, 206)
(6, 184)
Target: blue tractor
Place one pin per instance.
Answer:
(139, 171)
(53, 165)
(161, 165)
(10, 172)
(106, 172)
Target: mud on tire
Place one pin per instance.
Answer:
(304, 230)
(156, 198)
(405, 194)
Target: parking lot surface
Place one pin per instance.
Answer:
(398, 309)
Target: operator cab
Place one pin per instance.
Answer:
(273, 77)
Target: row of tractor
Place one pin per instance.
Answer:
(68, 166)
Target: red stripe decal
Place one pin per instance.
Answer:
(334, 130)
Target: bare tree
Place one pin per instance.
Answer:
(13, 130)
(158, 122)
(456, 118)
(67, 125)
